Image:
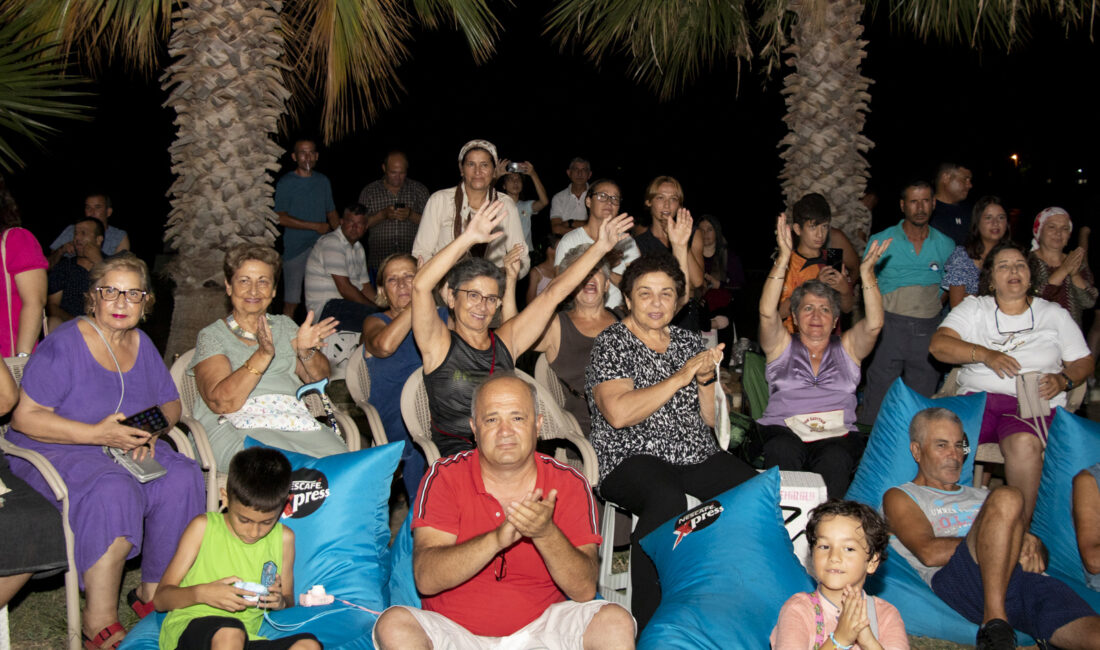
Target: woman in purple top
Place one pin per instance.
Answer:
(812, 376)
(85, 378)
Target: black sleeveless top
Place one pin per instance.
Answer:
(451, 389)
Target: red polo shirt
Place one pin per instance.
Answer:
(452, 498)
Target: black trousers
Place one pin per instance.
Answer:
(656, 490)
(833, 458)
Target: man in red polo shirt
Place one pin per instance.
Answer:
(505, 543)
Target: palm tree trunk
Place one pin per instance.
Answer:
(827, 101)
(228, 92)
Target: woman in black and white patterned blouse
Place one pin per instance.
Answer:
(650, 390)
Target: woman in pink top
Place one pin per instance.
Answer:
(24, 295)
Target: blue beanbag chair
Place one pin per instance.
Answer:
(726, 566)
(1074, 444)
(887, 463)
(339, 512)
(402, 586)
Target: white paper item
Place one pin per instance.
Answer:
(721, 410)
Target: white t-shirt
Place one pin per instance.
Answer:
(333, 255)
(1045, 337)
(567, 206)
(578, 237)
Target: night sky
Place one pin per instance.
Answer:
(929, 102)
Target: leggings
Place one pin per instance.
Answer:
(655, 490)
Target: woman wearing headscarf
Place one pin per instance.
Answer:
(1057, 276)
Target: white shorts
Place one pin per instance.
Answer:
(561, 626)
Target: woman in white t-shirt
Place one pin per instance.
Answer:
(1003, 333)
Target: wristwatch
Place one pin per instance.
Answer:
(1069, 382)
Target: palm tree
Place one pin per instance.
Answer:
(669, 44)
(236, 66)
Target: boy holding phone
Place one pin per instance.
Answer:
(219, 550)
(811, 259)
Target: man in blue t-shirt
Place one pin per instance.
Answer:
(909, 275)
(303, 201)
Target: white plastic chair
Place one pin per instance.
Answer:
(358, 382)
(215, 479)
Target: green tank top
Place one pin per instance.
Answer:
(221, 555)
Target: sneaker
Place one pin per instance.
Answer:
(996, 634)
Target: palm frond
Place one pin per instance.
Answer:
(668, 44)
(33, 89)
(1001, 23)
(100, 32)
(472, 17)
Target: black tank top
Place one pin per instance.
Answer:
(451, 389)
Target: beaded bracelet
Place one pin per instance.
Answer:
(312, 351)
(838, 645)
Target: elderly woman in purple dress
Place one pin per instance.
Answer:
(85, 378)
(812, 375)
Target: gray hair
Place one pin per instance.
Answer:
(919, 425)
(815, 288)
(504, 374)
(575, 254)
(474, 267)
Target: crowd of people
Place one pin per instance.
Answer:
(506, 538)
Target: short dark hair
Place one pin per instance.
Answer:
(99, 231)
(815, 288)
(653, 263)
(985, 277)
(811, 209)
(354, 208)
(106, 197)
(916, 183)
(872, 523)
(948, 167)
(259, 478)
(474, 267)
(242, 253)
(974, 236)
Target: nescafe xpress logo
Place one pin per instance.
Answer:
(695, 519)
(308, 490)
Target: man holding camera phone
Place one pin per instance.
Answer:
(394, 205)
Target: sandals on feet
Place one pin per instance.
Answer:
(101, 639)
(141, 609)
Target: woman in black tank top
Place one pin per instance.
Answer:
(456, 362)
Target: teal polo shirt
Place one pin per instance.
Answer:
(901, 266)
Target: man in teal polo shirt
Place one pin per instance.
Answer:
(303, 201)
(909, 275)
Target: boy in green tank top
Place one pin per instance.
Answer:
(220, 549)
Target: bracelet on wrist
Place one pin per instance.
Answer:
(777, 277)
(838, 645)
(973, 352)
(708, 382)
(304, 359)
(252, 370)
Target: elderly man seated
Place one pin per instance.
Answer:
(504, 543)
(972, 549)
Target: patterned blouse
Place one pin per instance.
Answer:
(675, 432)
(959, 271)
(1072, 298)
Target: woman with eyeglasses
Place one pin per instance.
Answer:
(249, 365)
(1003, 333)
(458, 360)
(665, 199)
(85, 379)
(604, 201)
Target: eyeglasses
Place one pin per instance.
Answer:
(1010, 343)
(475, 298)
(501, 570)
(604, 197)
(111, 294)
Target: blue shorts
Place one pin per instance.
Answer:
(1035, 603)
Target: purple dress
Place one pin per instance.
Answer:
(106, 501)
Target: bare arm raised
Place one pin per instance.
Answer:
(860, 339)
(774, 337)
